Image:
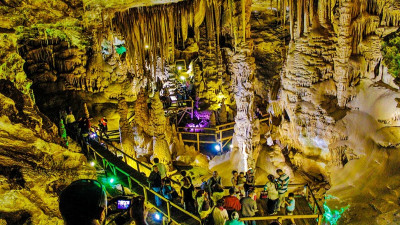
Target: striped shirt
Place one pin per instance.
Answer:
(283, 180)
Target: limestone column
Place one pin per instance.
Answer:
(242, 66)
(343, 51)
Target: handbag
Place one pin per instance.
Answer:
(263, 194)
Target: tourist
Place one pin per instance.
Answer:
(234, 180)
(161, 168)
(258, 113)
(234, 219)
(213, 181)
(155, 183)
(70, 121)
(220, 215)
(249, 180)
(273, 196)
(203, 204)
(290, 205)
(83, 202)
(231, 202)
(184, 175)
(283, 183)
(249, 207)
(240, 183)
(104, 126)
(187, 196)
(218, 193)
(168, 191)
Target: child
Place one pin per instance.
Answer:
(241, 180)
(290, 205)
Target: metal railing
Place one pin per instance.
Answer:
(147, 192)
(144, 190)
(317, 213)
(221, 134)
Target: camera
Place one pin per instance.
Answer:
(123, 204)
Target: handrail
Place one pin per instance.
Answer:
(146, 188)
(136, 161)
(315, 200)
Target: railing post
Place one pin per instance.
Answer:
(168, 212)
(319, 219)
(129, 182)
(220, 140)
(145, 194)
(198, 142)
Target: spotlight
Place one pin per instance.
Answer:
(146, 46)
(231, 146)
(179, 67)
(217, 147)
(93, 135)
(111, 180)
(92, 163)
(183, 78)
(157, 216)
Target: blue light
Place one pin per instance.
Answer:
(157, 216)
(218, 148)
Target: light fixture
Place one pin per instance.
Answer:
(111, 180)
(179, 67)
(92, 163)
(146, 46)
(157, 216)
(183, 78)
(231, 146)
(217, 147)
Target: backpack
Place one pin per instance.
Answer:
(206, 205)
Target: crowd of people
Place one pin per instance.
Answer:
(210, 202)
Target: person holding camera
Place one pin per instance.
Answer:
(84, 202)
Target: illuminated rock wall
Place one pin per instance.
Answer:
(334, 96)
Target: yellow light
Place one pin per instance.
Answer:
(183, 78)
(146, 46)
(179, 67)
(92, 163)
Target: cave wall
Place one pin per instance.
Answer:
(341, 104)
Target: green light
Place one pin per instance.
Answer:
(120, 50)
(111, 180)
(332, 216)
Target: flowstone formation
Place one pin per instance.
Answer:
(339, 105)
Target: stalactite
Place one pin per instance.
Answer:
(291, 18)
(299, 17)
(244, 20)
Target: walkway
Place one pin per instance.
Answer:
(135, 180)
(116, 161)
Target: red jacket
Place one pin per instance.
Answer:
(232, 203)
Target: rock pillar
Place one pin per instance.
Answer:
(241, 65)
(343, 51)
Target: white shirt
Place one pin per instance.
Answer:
(220, 216)
(272, 192)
